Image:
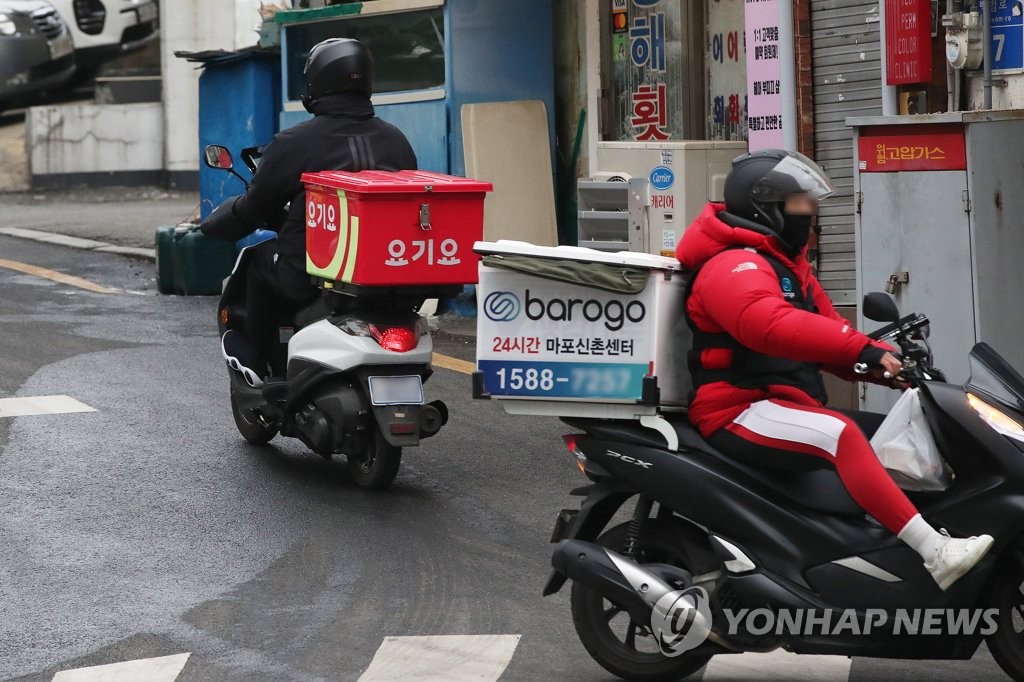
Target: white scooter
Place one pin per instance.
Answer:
(354, 375)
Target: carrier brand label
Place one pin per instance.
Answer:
(662, 178)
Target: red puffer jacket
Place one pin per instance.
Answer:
(738, 292)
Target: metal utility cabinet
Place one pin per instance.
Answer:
(940, 225)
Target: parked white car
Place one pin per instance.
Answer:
(105, 29)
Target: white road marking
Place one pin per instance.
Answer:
(452, 658)
(162, 669)
(778, 665)
(77, 242)
(45, 404)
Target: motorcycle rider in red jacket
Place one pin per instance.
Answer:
(764, 328)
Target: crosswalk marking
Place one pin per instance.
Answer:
(778, 665)
(44, 404)
(450, 658)
(162, 669)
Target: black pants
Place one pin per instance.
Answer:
(275, 291)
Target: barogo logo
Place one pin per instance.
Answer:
(502, 306)
(505, 306)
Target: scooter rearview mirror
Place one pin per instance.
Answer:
(880, 307)
(219, 157)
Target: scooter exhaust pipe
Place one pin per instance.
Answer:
(673, 613)
(433, 416)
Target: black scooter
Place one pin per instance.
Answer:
(721, 557)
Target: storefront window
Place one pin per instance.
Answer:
(673, 70)
(726, 57)
(645, 66)
(408, 48)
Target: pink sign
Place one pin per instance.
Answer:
(764, 98)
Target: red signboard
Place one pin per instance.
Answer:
(908, 41)
(888, 149)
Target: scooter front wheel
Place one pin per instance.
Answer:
(377, 466)
(1007, 642)
(251, 430)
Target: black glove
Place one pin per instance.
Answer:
(223, 224)
(872, 356)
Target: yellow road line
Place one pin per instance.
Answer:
(463, 366)
(55, 276)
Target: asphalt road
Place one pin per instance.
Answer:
(148, 528)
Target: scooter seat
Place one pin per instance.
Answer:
(817, 488)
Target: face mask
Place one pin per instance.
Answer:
(796, 230)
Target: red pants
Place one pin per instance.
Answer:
(780, 434)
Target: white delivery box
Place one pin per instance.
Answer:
(574, 332)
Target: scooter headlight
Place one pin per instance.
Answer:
(999, 422)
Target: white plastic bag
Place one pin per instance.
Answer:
(906, 449)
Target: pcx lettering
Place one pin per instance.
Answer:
(629, 460)
(613, 313)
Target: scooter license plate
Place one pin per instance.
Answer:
(404, 390)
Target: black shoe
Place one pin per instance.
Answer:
(243, 358)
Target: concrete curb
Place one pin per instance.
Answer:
(457, 328)
(78, 243)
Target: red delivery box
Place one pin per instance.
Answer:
(377, 228)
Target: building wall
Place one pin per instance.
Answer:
(570, 81)
(86, 139)
(1009, 97)
(194, 25)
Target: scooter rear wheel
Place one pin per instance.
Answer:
(620, 645)
(1007, 642)
(377, 466)
(251, 430)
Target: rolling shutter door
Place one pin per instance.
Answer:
(847, 81)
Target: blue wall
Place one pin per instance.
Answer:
(497, 51)
(239, 99)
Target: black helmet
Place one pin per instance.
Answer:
(338, 65)
(759, 182)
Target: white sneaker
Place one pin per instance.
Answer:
(241, 356)
(956, 556)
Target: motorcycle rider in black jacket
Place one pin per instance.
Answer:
(344, 134)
